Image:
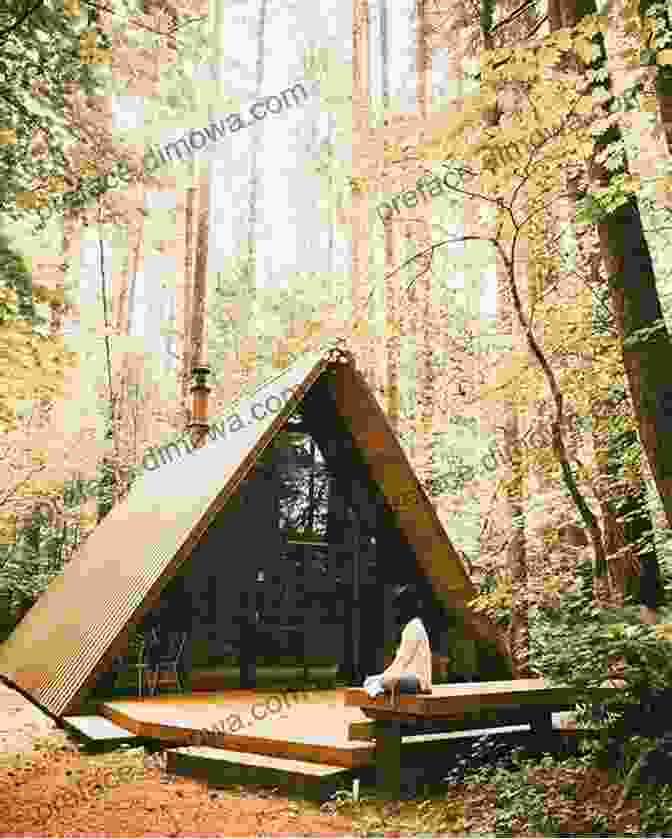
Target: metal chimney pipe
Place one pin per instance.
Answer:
(198, 427)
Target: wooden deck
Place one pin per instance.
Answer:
(457, 699)
(306, 726)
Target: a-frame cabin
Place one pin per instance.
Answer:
(201, 539)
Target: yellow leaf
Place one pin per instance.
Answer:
(585, 105)
(280, 359)
(562, 39)
(631, 183)
(584, 49)
(88, 39)
(361, 327)
(649, 104)
(26, 200)
(56, 184)
(248, 359)
(294, 344)
(631, 56)
(663, 188)
(664, 57)
(88, 169)
(585, 150)
(100, 56)
(590, 25)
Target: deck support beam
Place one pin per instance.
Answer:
(388, 758)
(541, 725)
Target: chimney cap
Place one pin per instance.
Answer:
(200, 373)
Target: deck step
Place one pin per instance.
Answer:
(99, 730)
(222, 766)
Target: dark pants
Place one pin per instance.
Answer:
(408, 683)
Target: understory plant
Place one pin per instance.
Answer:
(585, 646)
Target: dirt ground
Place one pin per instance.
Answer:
(48, 787)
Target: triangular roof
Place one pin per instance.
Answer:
(56, 650)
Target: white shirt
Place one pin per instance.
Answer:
(414, 655)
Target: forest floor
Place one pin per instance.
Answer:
(49, 787)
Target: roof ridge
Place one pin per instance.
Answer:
(335, 350)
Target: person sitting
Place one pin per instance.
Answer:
(411, 669)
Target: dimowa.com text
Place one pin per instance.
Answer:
(222, 428)
(77, 492)
(197, 139)
(258, 711)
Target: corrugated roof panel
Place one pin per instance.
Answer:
(61, 640)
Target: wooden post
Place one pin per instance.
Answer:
(356, 547)
(390, 628)
(388, 758)
(248, 657)
(250, 504)
(336, 538)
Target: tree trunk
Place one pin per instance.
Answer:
(519, 641)
(360, 203)
(257, 132)
(197, 321)
(515, 510)
(392, 338)
(632, 286)
(422, 239)
(189, 211)
(423, 60)
(392, 284)
(615, 549)
(627, 524)
(661, 17)
(135, 265)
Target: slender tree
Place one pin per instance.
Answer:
(360, 204)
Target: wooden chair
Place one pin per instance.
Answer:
(143, 665)
(168, 662)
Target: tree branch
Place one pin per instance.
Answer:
(169, 34)
(515, 14)
(11, 492)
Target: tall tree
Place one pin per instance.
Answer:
(421, 235)
(189, 247)
(360, 204)
(645, 340)
(255, 146)
(196, 329)
(656, 26)
(391, 255)
(516, 554)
